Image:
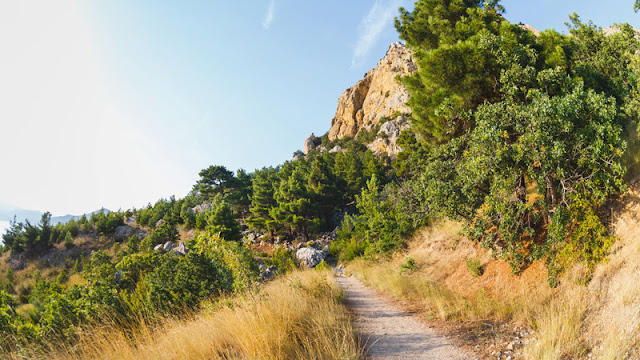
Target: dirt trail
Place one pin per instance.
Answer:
(390, 333)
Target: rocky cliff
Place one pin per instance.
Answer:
(376, 96)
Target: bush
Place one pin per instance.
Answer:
(68, 241)
(408, 266)
(475, 267)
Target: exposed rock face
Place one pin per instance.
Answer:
(378, 95)
(386, 143)
(310, 257)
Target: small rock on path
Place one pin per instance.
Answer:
(390, 333)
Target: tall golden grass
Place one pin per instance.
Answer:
(299, 316)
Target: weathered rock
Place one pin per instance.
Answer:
(159, 223)
(167, 246)
(123, 232)
(181, 249)
(297, 157)
(310, 257)
(157, 247)
(309, 144)
(201, 208)
(268, 272)
(530, 28)
(336, 149)
(387, 141)
(376, 96)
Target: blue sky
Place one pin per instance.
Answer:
(118, 103)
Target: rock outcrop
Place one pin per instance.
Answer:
(309, 144)
(123, 232)
(387, 137)
(376, 96)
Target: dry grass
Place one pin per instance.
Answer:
(296, 317)
(559, 328)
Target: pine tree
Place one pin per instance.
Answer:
(262, 199)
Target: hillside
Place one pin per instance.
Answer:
(479, 175)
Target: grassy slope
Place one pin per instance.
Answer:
(298, 316)
(600, 315)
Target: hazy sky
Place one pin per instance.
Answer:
(118, 103)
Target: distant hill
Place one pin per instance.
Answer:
(8, 211)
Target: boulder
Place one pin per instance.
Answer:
(335, 149)
(268, 272)
(123, 232)
(167, 246)
(181, 249)
(310, 257)
(201, 208)
(309, 144)
(159, 223)
(157, 247)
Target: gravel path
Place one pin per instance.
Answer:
(390, 333)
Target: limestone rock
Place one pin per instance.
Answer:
(336, 149)
(159, 223)
(387, 140)
(530, 28)
(309, 144)
(167, 246)
(201, 208)
(123, 232)
(157, 247)
(181, 249)
(310, 257)
(376, 96)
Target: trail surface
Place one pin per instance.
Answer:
(389, 332)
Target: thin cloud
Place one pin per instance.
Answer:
(372, 25)
(268, 18)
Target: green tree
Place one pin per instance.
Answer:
(263, 200)
(220, 220)
(240, 190)
(295, 207)
(68, 241)
(214, 180)
(455, 72)
(13, 238)
(324, 192)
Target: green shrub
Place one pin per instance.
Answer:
(408, 266)
(475, 267)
